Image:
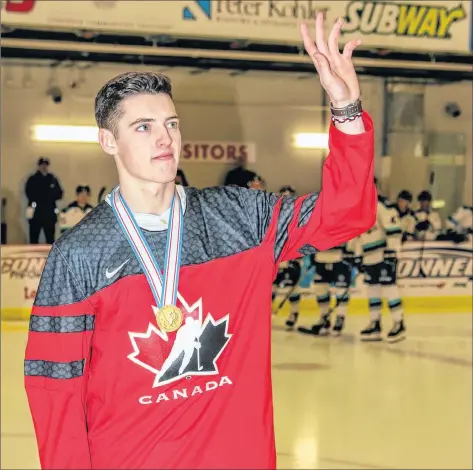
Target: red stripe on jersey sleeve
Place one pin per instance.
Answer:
(78, 308)
(58, 347)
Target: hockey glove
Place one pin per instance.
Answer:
(423, 226)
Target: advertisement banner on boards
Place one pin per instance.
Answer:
(433, 269)
(437, 269)
(22, 266)
(415, 25)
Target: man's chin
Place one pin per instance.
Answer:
(164, 174)
(163, 179)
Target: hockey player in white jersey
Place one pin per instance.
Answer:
(428, 221)
(381, 245)
(333, 269)
(406, 215)
(75, 211)
(461, 223)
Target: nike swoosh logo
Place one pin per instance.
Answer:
(110, 274)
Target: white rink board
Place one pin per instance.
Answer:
(446, 274)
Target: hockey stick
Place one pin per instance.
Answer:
(285, 299)
(101, 193)
(421, 258)
(431, 186)
(345, 293)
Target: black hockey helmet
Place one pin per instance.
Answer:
(83, 189)
(405, 194)
(424, 196)
(287, 189)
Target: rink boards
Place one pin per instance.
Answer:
(434, 277)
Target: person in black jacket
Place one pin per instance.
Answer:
(42, 191)
(240, 175)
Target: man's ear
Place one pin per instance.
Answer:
(107, 142)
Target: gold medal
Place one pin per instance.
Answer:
(169, 318)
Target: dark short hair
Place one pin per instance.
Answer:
(405, 194)
(83, 189)
(108, 100)
(424, 196)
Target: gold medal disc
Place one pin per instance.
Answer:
(169, 318)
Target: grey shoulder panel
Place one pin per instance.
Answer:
(218, 222)
(258, 207)
(308, 206)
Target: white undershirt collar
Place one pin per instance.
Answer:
(153, 222)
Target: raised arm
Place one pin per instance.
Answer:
(346, 205)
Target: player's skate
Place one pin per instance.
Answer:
(321, 328)
(397, 332)
(338, 326)
(372, 332)
(291, 321)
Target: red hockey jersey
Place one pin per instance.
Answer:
(108, 388)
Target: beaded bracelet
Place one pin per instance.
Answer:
(337, 120)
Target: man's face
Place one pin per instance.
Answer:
(44, 168)
(424, 205)
(256, 184)
(83, 198)
(147, 144)
(403, 204)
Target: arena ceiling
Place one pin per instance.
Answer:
(238, 56)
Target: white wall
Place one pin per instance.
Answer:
(436, 120)
(409, 167)
(264, 108)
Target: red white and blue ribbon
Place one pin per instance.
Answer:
(163, 285)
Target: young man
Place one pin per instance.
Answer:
(381, 245)
(157, 257)
(75, 211)
(406, 214)
(428, 222)
(460, 224)
(257, 183)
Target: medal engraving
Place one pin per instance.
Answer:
(169, 318)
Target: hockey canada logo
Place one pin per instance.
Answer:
(193, 349)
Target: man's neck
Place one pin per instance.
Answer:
(148, 198)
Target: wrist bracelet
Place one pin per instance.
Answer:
(336, 120)
(351, 110)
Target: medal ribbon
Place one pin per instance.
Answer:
(164, 289)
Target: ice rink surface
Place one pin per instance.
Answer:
(339, 403)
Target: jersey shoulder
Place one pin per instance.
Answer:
(233, 209)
